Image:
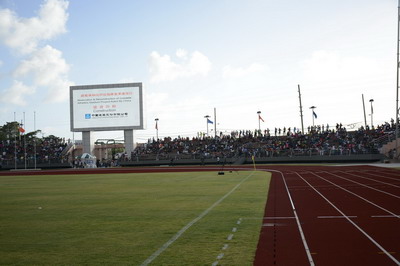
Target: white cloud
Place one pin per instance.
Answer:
(48, 69)
(24, 34)
(17, 93)
(162, 68)
(229, 72)
(156, 101)
(126, 80)
(329, 67)
(42, 67)
(181, 53)
(334, 82)
(46, 64)
(59, 91)
(199, 64)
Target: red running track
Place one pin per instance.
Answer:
(331, 216)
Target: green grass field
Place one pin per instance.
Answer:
(122, 219)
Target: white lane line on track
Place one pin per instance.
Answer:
(354, 224)
(303, 238)
(361, 184)
(186, 227)
(388, 184)
(335, 217)
(354, 194)
(385, 216)
(380, 175)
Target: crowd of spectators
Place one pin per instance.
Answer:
(319, 140)
(48, 150)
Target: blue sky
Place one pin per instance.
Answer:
(237, 56)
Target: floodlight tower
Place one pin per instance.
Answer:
(301, 110)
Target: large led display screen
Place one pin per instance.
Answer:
(106, 107)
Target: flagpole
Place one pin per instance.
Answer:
(156, 127)
(372, 113)
(34, 137)
(312, 108)
(15, 141)
(259, 125)
(215, 122)
(24, 143)
(206, 117)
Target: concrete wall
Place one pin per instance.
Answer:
(364, 158)
(389, 146)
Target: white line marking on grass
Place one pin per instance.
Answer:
(225, 246)
(186, 227)
(215, 263)
(353, 223)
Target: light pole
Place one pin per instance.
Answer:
(157, 127)
(313, 114)
(259, 118)
(206, 117)
(301, 111)
(372, 113)
(397, 81)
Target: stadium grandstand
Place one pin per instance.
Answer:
(318, 144)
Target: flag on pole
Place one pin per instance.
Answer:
(259, 117)
(21, 130)
(314, 114)
(209, 121)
